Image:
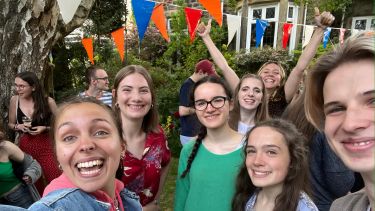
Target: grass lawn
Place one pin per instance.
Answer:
(167, 197)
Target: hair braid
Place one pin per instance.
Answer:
(194, 152)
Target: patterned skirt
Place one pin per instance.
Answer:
(41, 149)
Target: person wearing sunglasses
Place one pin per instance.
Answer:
(98, 84)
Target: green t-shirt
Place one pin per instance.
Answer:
(7, 178)
(210, 183)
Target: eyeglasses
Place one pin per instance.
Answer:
(216, 102)
(104, 78)
(20, 86)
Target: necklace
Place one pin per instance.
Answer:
(115, 202)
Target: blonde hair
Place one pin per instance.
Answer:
(359, 47)
(281, 70)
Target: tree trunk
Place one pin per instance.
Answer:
(245, 8)
(28, 30)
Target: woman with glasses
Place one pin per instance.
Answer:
(147, 156)
(30, 113)
(208, 166)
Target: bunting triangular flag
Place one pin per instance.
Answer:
(119, 38)
(192, 19)
(261, 26)
(142, 12)
(342, 35)
(214, 8)
(327, 32)
(160, 21)
(87, 44)
(309, 30)
(68, 8)
(287, 28)
(234, 25)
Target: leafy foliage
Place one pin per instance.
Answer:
(106, 16)
(327, 5)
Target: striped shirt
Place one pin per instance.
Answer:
(105, 97)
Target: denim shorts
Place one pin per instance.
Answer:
(19, 197)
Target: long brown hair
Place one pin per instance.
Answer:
(151, 120)
(294, 181)
(261, 111)
(42, 112)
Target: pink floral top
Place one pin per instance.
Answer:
(143, 176)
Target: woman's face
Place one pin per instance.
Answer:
(271, 76)
(267, 157)
(349, 107)
(250, 94)
(23, 88)
(212, 117)
(88, 146)
(134, 96)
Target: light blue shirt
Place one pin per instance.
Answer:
(304, 203)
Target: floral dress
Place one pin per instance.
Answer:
(142, 176)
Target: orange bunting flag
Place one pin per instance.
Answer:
(118, 37)
(87, 43)
(214, 8)
(160, 21)
(192, 19)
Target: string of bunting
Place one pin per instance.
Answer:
(146, 10)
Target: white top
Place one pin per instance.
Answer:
(243, 128)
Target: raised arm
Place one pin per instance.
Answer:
(228, 73)
(322, 21)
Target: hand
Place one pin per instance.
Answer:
(323, 20)
(27, 179)
(37, 130)
(151, 207)
(22, 128)
(204, 30)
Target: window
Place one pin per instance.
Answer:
(363, 23)
(290, 12)
(360, 24)
(257, 14)
(269, 13)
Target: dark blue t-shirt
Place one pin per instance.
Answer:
(329, 177)
(190, 124)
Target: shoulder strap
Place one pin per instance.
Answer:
(17, 109)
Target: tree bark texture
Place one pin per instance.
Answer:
(28, 30)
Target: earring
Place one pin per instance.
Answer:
(117, 105)
(152, 105)
(59, 166)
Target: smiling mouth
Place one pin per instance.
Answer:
(136, 107)
(261, 173)
(90, 167)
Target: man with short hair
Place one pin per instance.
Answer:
(190, 124)
(97, 80)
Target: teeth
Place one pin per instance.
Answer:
(363, 143)
(136, 106)
(261, 173)
(90, 172)
(89, 164)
